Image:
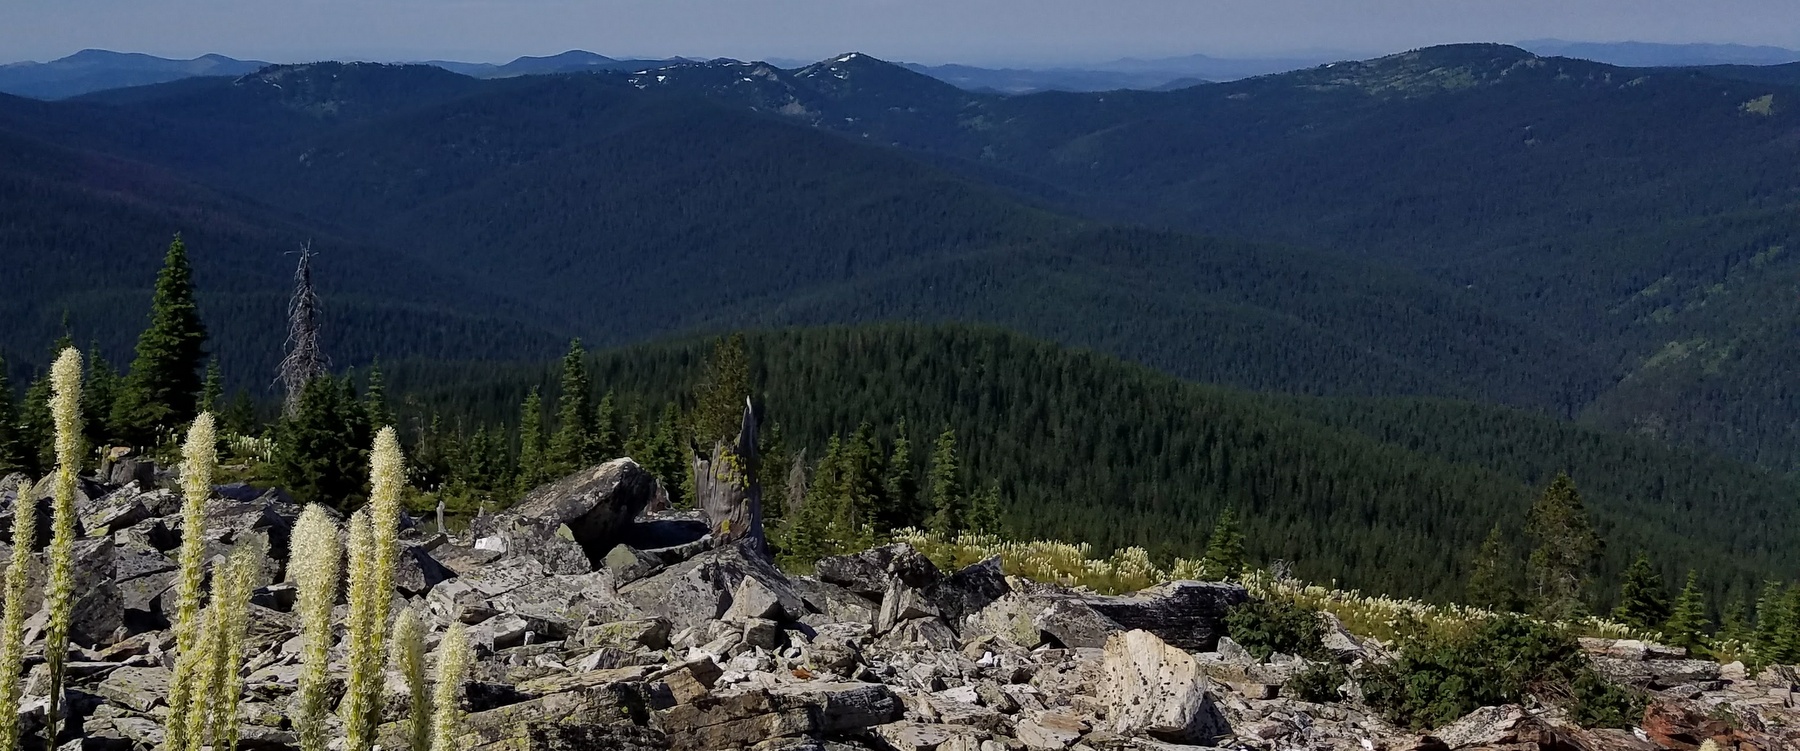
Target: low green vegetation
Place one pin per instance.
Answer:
(1267, 626)
(1443, 673)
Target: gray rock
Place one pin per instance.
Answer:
(1151, 687)
(593, 505)
(1187, 614)
(137, 689)
(867, 573)
(702, 589)
(628, 564)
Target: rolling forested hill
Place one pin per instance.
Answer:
(1469, 221)
(1392, 495)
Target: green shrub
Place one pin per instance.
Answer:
(1441, 676)
(1319, 683)
(1268, 626)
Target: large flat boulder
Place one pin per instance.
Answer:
(572, 523)
(705, 587)
(1151, 687)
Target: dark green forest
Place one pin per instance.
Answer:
(1388, 495)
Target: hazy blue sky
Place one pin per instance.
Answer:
(971, 31)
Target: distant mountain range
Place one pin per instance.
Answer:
(98, 70)
(1468, 221)
(1653, 55)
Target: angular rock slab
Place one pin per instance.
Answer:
(594, 505)
(1152, 688)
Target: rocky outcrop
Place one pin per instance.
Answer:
(669, 640)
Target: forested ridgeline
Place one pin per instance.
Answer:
(1084, 447)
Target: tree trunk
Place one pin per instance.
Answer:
(726, 490)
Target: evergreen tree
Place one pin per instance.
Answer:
(1643, 603)
(666, 458)
(773, 460)
(1567, 548)
(808, 537)
(375, 400)
(1787, 627)
(534, 469)
(901, 485)
(212, 388)
(1687, 625)
(862, 474)
(164, 380)
(321, 450)
(98, 395)
(1733, 625)
(719, 401)
(606, 430)
(239, 415)
(1766, 639)
(573, 444)
(12, 443)
(946, 487)
(37, 428)
(1225, 551)
(1491, 581)
(984, 510)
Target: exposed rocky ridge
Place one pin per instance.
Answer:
(665, 640)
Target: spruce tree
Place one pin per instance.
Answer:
(1733, 625)
(164, 381)
(1787, 627)
(37, 429)
(901, 485)
(719, 401)
(1225, 551)
(1643, 603)
(212, 388)
(534, 469)
(984, 510)
(1567, 548)
(666, 458)
(1491, 575)
(862, 475)
(321, 450)
(572, 446)
(1687, 623)
(946, 487)
(375, 400)
(606, 445)
(12, 443)
(1769, 617)
(98, 396)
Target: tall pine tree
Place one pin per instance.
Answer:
(1567, 548)
(375, 399)
(573, 444)
(719, 401)
(321, 450)
(534, 468)
(1687, 621)
(1491, 579)
(984, 511)
(12, 443)
(1643, 601)
(606, 429)
(212, 388)
(1770, 616)
(164, 381)
(946, 487)
(901, 485)
(1225, 551)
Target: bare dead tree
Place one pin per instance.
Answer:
(796, 487)
(304, 360)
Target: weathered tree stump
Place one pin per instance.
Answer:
(726, 490)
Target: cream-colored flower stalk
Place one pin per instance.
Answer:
(12, 623)
(454, 658)
(199, 457)
(198, 663)
(231, 601)
(407, 653)
(372, 585)
(315, 562)
(362, 687)
(59, 596)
